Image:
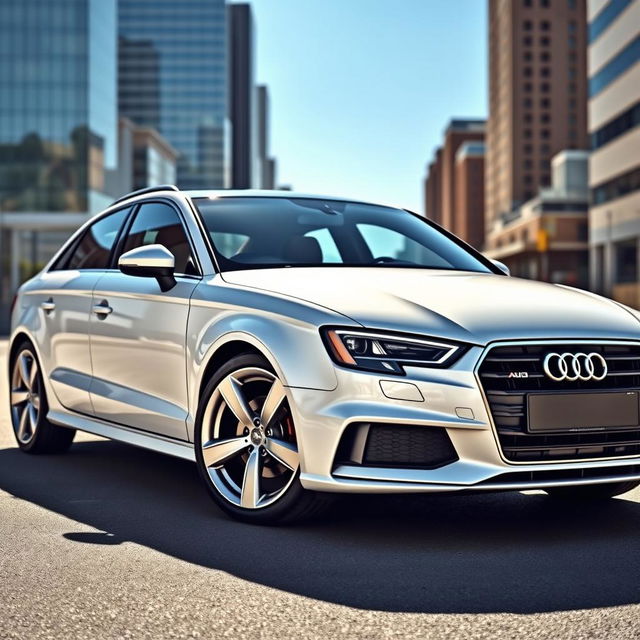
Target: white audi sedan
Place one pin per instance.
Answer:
(298, 346)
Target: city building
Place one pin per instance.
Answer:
(242, 107)
(266, 164)
(469, 187)
(537, 97)
(546, 238)
(614, 167)
(432, 188)
(442, 192)
(58, 127)
(173, 78)
(145, 159)
(154, 159)
(58, 114)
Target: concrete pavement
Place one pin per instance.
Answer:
(109, 541)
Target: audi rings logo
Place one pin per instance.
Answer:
(575, 366)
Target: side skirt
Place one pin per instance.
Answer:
(157, 443)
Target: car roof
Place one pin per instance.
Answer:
(265, 193)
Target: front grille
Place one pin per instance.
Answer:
(391, 445)
(507, 398)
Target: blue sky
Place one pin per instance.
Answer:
(361, 90)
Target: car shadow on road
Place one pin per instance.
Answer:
(504, 552)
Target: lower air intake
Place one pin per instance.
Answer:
(390, 445)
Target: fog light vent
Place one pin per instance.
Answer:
(392, 445)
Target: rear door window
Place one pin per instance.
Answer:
(93, 249)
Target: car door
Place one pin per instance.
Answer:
(65, 306)
(138, 332)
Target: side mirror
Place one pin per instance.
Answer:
(150, 261)
(502, 266)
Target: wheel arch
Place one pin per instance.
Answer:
(19, 337)
(222, 353)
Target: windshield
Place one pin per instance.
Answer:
(258, 232)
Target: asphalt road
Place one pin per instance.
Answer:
(109, 541)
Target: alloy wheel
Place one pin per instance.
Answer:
(25, 396)
(248, 438)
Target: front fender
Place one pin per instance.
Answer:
(285, 331)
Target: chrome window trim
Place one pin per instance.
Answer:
(494, 430)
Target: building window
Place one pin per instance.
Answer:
(527, 133)
(544, 165)
(583, 231)
(545, 149)
(544, 41)
(527, 3)
(527, 164)
(573, 57)
(572, 87)
(544, 3)
(545, 72)
(528, 149)
(527, 56)
(572, 73)
(526, 41)
(572, 42)
(627, 261)
(528, 194)
(572, 4)
(527, 103)
(528, 179)
(572, 119)
(545, 134)
(545, 180)
(625, 59)
(573, 135)
(545, 103)
(545, 56)
(572, 26)
(545, 25)
(528, 71)
(572, 103)
(527, 25)
(606, 17)
(528, 118)
(545, 118)
(528, 87)
(624, 122)
(545, 87)
(616, 188)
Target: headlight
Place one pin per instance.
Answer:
(386, 352)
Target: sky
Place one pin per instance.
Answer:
(361, 90)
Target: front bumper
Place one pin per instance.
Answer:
(452, 400)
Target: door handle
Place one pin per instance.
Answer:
(48, 305)
(102, 309)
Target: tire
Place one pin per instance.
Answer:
(28, 406)
(246, 446)
(593, 491)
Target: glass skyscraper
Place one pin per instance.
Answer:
(172, 77)
(58, 105)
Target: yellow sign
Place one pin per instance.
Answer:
(542, 240)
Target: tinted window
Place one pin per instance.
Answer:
(387, 245)
(157, 223)
(94, 248)
(279, 232)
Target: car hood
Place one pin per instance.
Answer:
(471, 307)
